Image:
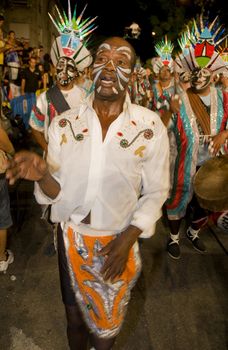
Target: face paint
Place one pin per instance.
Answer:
(121, 71)
(126, 50)
(185, 77)
(66, 70)
(200, 78)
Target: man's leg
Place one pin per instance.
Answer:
(6, 256)
(199, 219)
(173, 247)
(102, 344)
(77, 332)
(1, 74)
(3, 239)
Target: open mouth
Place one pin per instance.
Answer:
(107, 81)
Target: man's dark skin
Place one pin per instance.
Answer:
(108, 106)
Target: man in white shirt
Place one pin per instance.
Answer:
(107, 178)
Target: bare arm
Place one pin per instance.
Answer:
(39, 137)
(3, 49)
(22, 86)
(30, 166)
(45, 78)
(49, 186)
(174, 107)
(5, 143)
(165, 117)
(218, 141)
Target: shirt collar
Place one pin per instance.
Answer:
(88, 102)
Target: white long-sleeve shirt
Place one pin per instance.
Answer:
(122, 180)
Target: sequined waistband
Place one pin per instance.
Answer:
(87, 230)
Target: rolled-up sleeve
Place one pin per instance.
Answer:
(155, 186)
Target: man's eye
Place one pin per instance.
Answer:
(121, 63)
(70, 68)
(101, 59)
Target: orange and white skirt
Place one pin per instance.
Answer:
(102, 303)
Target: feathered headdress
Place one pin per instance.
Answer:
(71, 42)
(223, 50)
(187, 40)
(164, 50)
(201, 51)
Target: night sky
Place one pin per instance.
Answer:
(114, 15)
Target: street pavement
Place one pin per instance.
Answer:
(176, 304)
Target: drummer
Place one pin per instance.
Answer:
(199, 132)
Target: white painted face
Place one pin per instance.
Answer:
(66, 70)
(112, 68)
(200, 78)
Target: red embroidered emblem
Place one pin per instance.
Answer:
(62, 123)
(148, 134)
(119, 133)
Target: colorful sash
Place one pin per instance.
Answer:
(199, 111)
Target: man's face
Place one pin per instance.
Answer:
(66, 70)
(112, 68)
(32, 63)
(200, 78)
(1, 22)
(12, 35)
(165, 74)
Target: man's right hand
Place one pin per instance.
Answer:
(26, 165)
(174, 104)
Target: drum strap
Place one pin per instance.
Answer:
(199, 111)
(57, 99)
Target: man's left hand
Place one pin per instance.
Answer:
(116, 253)
(218, 141)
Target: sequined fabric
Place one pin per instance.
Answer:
(190, 140)
(103, 304)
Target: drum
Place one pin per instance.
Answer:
(211, 184)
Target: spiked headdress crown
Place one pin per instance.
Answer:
(73, 38)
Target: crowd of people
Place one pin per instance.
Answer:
(121, 141)
(24, 69)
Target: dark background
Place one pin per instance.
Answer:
(161, 16)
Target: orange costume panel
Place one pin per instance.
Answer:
(103, 304)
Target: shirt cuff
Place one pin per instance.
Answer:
(144, 223)
(42, 198)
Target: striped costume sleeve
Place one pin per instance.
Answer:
(37, 119)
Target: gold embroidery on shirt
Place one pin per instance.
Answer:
(147, 133)
(64, 139)
(139, 151)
